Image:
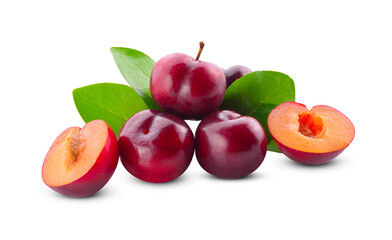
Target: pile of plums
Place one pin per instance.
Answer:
(158, 146)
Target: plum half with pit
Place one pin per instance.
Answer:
(311, 137)
(81, 160)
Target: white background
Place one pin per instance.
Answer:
(339, 53)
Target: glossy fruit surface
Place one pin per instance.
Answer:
(229, 145)
(235, 72)
(81, 160)
(155, 146)
(187, 87)
(313, 136)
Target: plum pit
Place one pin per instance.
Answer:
(310, 125)
(74, 146)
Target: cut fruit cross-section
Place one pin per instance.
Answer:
(313, 136)
(81, 160)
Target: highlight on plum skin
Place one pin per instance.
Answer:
(311, 137)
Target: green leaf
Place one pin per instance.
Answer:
(136, 68)
(271, 146)
(111, 102)
(257, 93)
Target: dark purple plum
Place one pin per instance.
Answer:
(235, 72)
(229, 145)
(155, 146)
(186, 86)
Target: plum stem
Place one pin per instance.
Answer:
(200, 50)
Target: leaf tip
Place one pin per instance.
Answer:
(74, 92)
(113, 49)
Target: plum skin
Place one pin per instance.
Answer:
(99, 174)
(229, 145)
(235, 72)
(187, 88)
(156, 147)
(307, 158)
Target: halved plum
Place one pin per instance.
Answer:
(313, 136)
(81, 160)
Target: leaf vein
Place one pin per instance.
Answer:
(146, 74)
(88, 100)
(261, 102)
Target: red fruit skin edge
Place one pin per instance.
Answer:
(98, 175)
(306, 157)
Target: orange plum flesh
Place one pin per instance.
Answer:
(310, 137)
